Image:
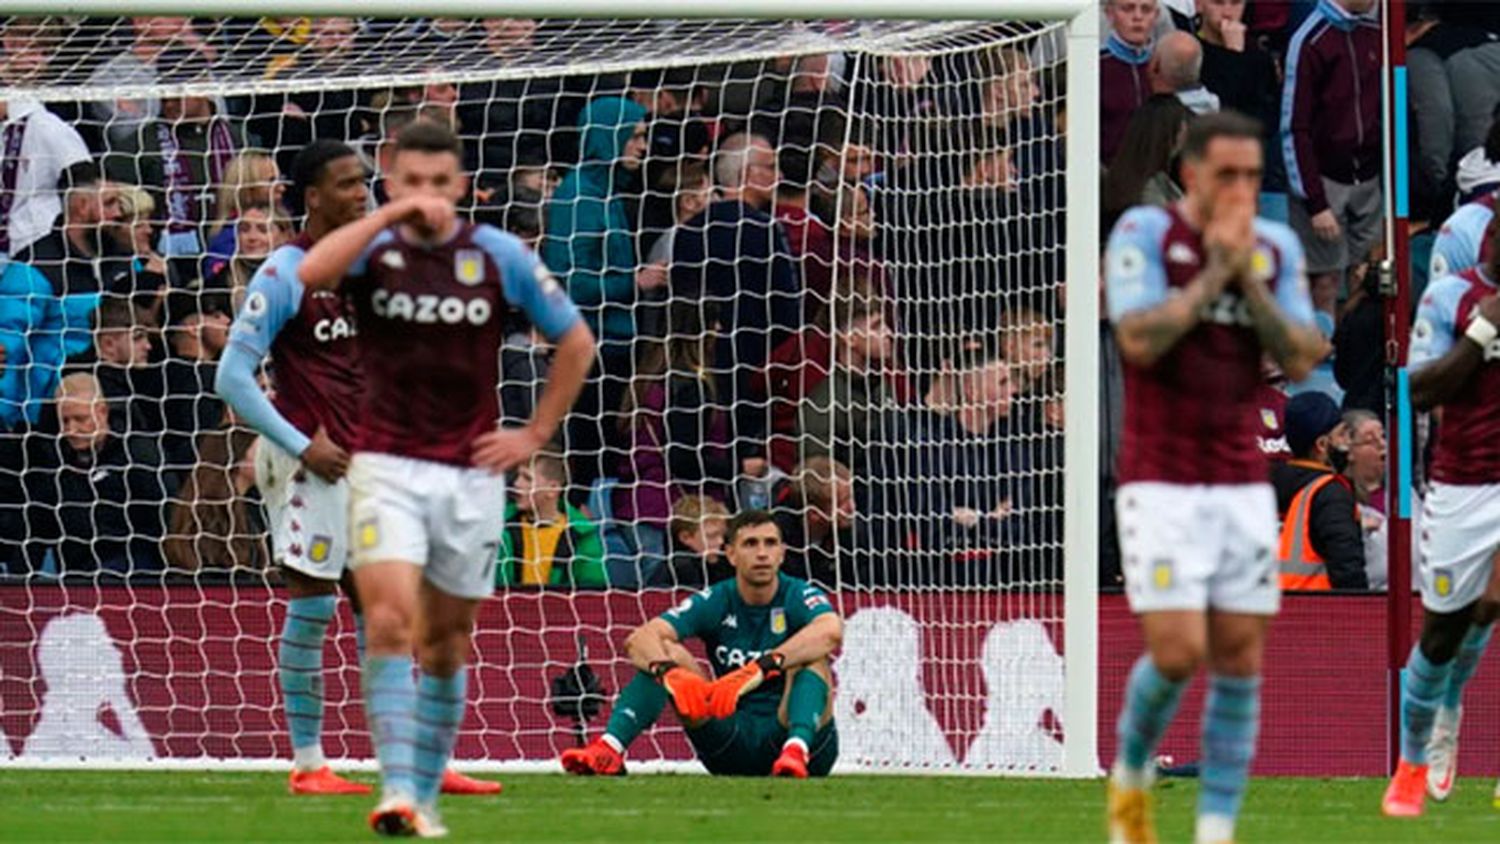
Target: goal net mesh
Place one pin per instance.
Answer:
(852, 319)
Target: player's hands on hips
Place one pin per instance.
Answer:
(324, 458)
(504, 449)
(689, 692)
(1325, 225)
(724, 693)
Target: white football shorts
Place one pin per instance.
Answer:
(446, 519)
(1458, 537)
(309, 517)
(1196, 546)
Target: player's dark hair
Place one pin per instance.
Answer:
(114, 314)
(309, 167)
(1203, 130)
(747, 519)
(428, 136)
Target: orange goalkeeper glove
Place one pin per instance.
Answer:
(689, 692)
(724, 693)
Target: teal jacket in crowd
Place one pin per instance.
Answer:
(589, 243)
(39, 331)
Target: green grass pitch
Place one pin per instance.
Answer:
(179, 807)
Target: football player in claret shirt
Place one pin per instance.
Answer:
(768, 637)
(1454, 345)
(1197, 292)
(302, 457)
(426, 482)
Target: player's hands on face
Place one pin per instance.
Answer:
(1325, 225)
(1230, 237)
(504, 449)
(324, 458)
(428, 214)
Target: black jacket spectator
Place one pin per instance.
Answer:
(1359, 350)
(95, 496)
(76, 255)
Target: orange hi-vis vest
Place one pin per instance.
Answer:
(1302, 568)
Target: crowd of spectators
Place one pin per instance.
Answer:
(755, 245)
(827, 284)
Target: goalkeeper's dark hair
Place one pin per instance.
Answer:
(309, 167)
(428, 136)
(748, 519)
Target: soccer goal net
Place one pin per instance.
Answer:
(825, 261)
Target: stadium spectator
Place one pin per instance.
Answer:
(547, 541)
(216, 520)
(31, 344)
(1143, 171)
(137, 65)
(816, 511)
(1271, 403)
(695, 539)
(732, 268)
(288, 122)
(1453, 76)
(1322, 540)
(1359, 347)
(122, 366)
(681, 442)
(692, 193)
(133, 240)
(197, 331)
(590, 246)
(1235, 68)
(96, 498)
(183, 155)
(1331, 134)
(848, 210)
(959, 437)
(1366, 469)
(258, 231)
(36, 149)
(1176, 68)
(1245, 78)
(525, 360)
(837, 416)
(1124, 82)
(71, 256)
(251, 180)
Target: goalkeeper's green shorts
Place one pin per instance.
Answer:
(747, 744)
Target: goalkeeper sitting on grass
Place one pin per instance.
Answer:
(768, 637)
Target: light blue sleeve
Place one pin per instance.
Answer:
(1458, 242)
(1292, 293)
(1134, 276)
(273, 297)
(528, 284)
(235, 384)
(362, 264)
(1435, 329)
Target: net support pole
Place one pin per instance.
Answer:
(1081, 406)
(1396, 293)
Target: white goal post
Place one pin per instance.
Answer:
(195, 663)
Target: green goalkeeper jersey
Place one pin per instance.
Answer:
(735, 633)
